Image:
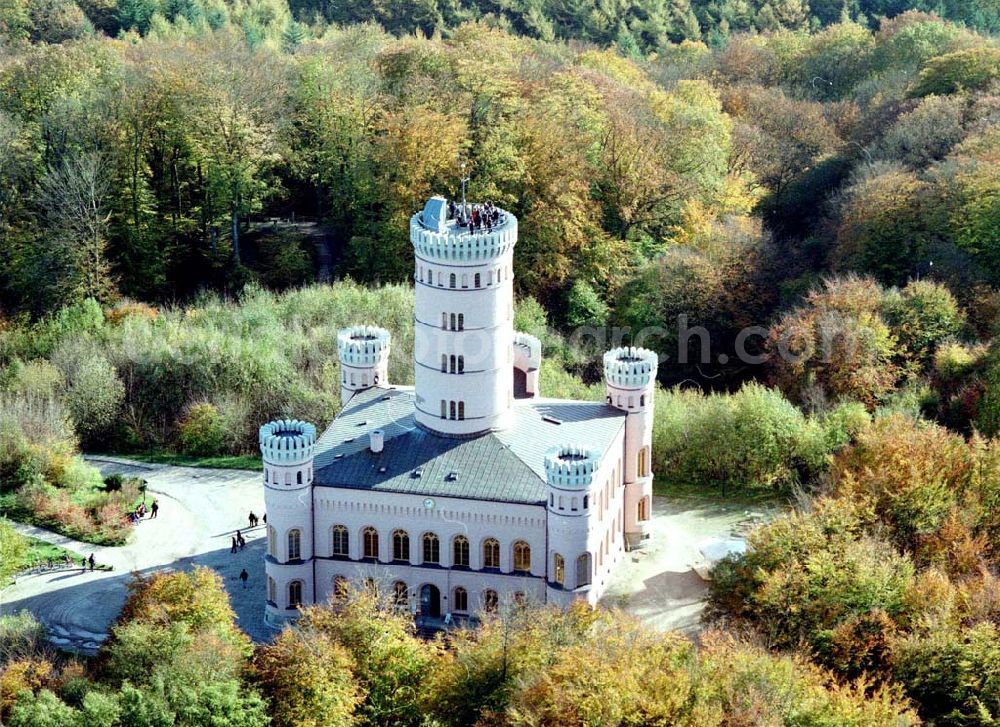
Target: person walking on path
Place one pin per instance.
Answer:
(241, 541)
(244, 576)
(233, 549)
(91, 561)
(154, 509)
(265, 518)
(252, 518)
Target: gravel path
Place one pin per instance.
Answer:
(200, 510)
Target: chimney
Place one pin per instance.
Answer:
(376, 440)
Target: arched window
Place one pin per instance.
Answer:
(288, 478)
(460, 600)
(266, 478)
(352, 379)
(298, 477)
(451, 410)
(477, 280)
(295, 594)
(460, 552)
(586, 501)
(400, 545)
(491, 553)
(520, 599)
(465, 280)
(340, 540)
(642, 400)
(399, 593)
(461, 364)
(440, 279)
(294, 545)
(341, 589)
(452, 362)
(583, 570)
(444, 412)
(444, 363)
(451, 280)
(642, 463)
(453, 324)
(641, 512)
(272, 541)
(522, 556)
(461, 321)
(490, 600)
(559, 569)
(272, 591)
(444, 321)
(432, 548)
(489, 277)
(369, 539)
(461, 410)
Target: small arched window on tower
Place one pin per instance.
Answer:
(430, 276)
(298, 477)
(465, 280)
(453, 321)
(444, 413)
(643, 465)
(451, 280)
(272, 541)
(489, 278)
(452, 362)
(444, 321)
(559, 569)
(477, 280)
(451, 410)
(294, 545)
(295, 594)
(461, 410)
(272, 590)
(440, 279)
(461, 364)
(641, 511)
(444, 363)
(288, 478)
(461, 321)
(583, 570)
(642, 400)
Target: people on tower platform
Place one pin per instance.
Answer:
(483, 218)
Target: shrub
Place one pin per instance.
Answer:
(201, 432)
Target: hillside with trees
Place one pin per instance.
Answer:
(195, 196)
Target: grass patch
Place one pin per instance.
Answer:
(717, 494)
(222, 461)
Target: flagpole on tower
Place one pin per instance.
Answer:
(465, 214)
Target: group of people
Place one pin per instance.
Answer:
(483, 218)
(140, 511)
(239, 543)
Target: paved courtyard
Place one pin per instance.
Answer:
(200, 510)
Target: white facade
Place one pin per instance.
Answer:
(470, 489)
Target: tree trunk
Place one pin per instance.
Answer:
(236, 232)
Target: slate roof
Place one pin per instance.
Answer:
(506, 466)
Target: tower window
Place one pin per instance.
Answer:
(451, 410)
(643, 465)
(453, 321)
(295, 594)
(451, 280)
(272, 590)
(444, 321)
(298, 477)
(443, 411)
(294, 545)
(461, 321)
(461, 364)
(583, 570)
(453, 363)
(559, 569)
(465, 280)
(444, 363)
(477, 280)
(461, 410)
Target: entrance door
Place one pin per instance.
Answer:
(430, 601)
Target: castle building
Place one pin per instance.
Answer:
(470, 488)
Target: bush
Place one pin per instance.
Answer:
(201, 432)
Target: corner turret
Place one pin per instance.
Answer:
(364, 359)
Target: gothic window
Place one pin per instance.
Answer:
(461, 410)
(559, 569)
(298, 477)
(461, 321)
(491, 553)
(369, 538)
(451, 410)
(400, 545)
(522, 556)
(341, 589)
(272, 590)
(451, 280)
(490, 600)
(294, 545)
(453, 321)
(477, 280)
(399, 593)
(341, 541)
(460, 552)
(432, 548)
(295, 594)
(460, 600)
(452, 362)
(583, 570)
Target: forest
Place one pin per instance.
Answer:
(196, 194)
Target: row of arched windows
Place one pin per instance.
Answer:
(353, 379)
(294, 591)
(489, 599)
(288, 476)
(430, 549)
(452, 321)
(583, 570)
(453, 364)
(452, 409)
(498, 274)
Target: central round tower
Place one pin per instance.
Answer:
(464, 319)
